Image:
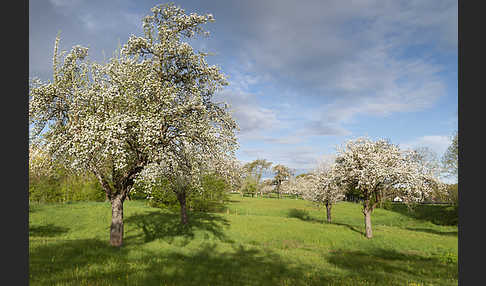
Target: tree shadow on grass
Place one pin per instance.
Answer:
(302, 215)
(59, 261)
(433, 231)
(305, 216)
(437, 214)
(353, 228)
(167, 226)
(389, 267)
(93, 262)
(239, 266)
(48, 230)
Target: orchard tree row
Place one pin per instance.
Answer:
(147, 119)
(372, 170)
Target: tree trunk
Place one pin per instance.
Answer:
(181, 197)
(368, 208)
(368, 231)
(116, 194)
(328, 212)
(116, 228)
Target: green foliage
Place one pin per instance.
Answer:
(436, 214)
(45, 190)
(63, 186)
(353, 194)
(256, 169)
(212, 198)
(249, 185)
(387, 205)
(162, 196)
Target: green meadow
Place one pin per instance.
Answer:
(255, 241)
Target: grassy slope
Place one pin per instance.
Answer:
(256, 242)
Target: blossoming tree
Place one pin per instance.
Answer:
(373, 167)
(267, 187)
(282, 173)
(296, 186)
(40, 163)
(323, 187)
(184, 170)
(290, 187)
(147, 105)
(450, 157)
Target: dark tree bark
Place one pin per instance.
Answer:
(328, 211)
(181, 197)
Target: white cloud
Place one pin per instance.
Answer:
(249, 114)
(290, 139)
(438, 143)
(89, 21)
(352, 55)
(64, 3)
(322, 128)
(295, 157)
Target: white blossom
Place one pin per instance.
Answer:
(150, 106)
(376, 167)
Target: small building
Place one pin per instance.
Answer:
(398, 199)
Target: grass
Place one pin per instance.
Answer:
(256, 241)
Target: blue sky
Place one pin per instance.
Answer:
(304, 75)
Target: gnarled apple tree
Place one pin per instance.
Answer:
(137, 109)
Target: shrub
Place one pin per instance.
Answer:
(387, 205)
(162, 196)
(213, 198)
(62, 186)
(44, 190)
(82, 188)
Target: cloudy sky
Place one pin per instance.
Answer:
(304, 75)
